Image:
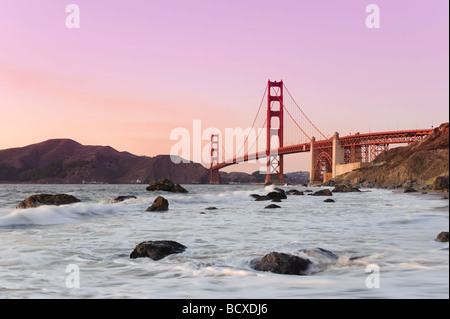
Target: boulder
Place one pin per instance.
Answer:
(279, 190)
(121, 198)
(159, 204)
(282, 263)
(442, 237)
(269, 196)
(272, 206)
(345, 188)
(410, 190)
(46, 199)
(157, 250)
(294, 192)
(166, 185)
(328, 200)
(323, 192)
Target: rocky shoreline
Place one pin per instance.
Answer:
(307, 262)
(423, 166)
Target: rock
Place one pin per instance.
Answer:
(46, 199)
(164, 184)
(441, 183)
(442, 237)
(276, 200)
(160, 204)
(259, 197)
(282, 263)
(211, 208)
(329, 200)
(279, 190)
(294, 192)
(269, 196)
(323, 192)
(410, 190)
(272, 206)
(275, 195)
(345, 188)
(121, 198)
(157, 250)
(179, 189)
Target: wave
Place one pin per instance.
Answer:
(56, 215)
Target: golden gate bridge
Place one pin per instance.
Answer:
(288, 130)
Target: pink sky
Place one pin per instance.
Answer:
(135, 70)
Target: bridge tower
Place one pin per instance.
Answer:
(214, 173)
(274, 172)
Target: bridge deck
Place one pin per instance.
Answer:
(377, 138)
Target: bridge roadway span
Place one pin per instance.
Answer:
(336, 150)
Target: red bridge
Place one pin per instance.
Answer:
(288, 130)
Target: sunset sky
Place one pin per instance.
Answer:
(136, 70)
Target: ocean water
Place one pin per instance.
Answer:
(384, 241)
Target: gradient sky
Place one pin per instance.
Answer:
(135, 70)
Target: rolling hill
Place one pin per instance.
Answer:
(67, 161)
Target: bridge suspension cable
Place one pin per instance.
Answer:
(320, 132)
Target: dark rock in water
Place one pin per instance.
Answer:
(329, 200)
(345, 188)
(164, 184)
(157, 250)
(294, 192)
(272, 206)
(179, 189)
(160, 204)
(442, 237)
(46, 199)
(282, 263)
(121, 198)
(211, 208)
(323, 192)
(279, 190)
(269, 196)
(410, 190)
(276, 200)
(261, 198)
(275, 195)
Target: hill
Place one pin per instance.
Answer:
(420, 165)
(67, 161)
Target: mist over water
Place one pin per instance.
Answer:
(391, 230)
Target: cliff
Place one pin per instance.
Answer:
(422, 165)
